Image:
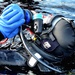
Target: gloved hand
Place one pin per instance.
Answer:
(10, 20)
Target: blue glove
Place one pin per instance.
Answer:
(10, 20)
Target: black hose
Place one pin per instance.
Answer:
(46, 55)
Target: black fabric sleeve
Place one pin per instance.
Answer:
(1, 36)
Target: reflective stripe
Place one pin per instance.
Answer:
(56, 20)
(67, 19)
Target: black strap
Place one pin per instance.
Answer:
(51, 36)
(72, 23)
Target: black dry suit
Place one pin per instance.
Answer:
(63, 32)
